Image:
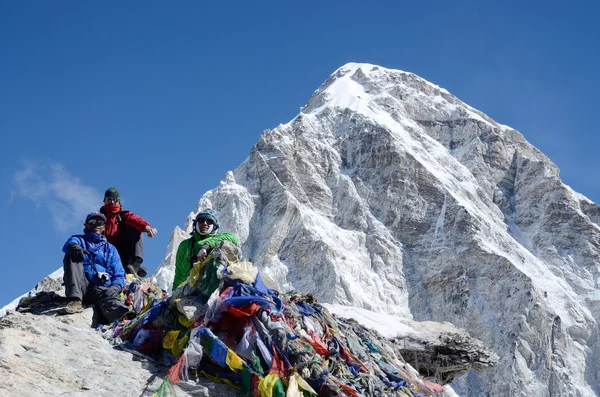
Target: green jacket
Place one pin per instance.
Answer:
(191, 246)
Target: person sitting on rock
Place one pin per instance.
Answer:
(124, 230)
(93, 272)
(196, 248)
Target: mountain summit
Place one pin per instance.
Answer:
(388, 193)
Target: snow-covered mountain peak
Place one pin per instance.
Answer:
(368, 89)
(388, 193)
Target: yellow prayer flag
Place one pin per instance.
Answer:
(196, 272)
(302, 383)
(266, 384)
(178, 346)
(216, 379)
(183, 320)
(170, 339)
(234, 361)
(293, 390)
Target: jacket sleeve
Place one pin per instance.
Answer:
(213, 241)
(182, 265)
(132, 219)
(117, 273)
(71, 240)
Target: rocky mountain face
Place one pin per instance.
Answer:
(388, 193)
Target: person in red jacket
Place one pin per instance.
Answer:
(124, 230)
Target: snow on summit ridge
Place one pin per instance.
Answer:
(388, 193)
(349, 87)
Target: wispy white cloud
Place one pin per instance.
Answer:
(53, 188)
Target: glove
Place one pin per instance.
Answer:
(116, 288)
(76, 252)
(202, 253)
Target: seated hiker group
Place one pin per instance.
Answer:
(96, 262)
(111, 246)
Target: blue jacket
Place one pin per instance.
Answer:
(103, 258)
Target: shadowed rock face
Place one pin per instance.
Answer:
(444, 355)
(388, 193)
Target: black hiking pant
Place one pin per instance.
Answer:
(131, 247)
(105, 299)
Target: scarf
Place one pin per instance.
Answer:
(110, 209)
(94, 242)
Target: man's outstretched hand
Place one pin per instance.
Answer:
(151, 231)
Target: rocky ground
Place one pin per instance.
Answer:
(44, 353)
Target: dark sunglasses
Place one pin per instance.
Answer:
(96, 222)
(112, 199)
(207, 220)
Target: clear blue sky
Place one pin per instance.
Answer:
(161, 99)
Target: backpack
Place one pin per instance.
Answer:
(120, 220)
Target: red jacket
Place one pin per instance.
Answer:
(114, 230)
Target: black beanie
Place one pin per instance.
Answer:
(112, 192)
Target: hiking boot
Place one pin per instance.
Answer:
(142, 272)
(137, 265)
(136, 269)
(130, 270)
(73, 307)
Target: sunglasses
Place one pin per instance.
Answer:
(209, 221)
(112, 199)
(96, 222)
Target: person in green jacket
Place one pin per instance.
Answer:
(196, 248)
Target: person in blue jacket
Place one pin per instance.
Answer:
(93, 272)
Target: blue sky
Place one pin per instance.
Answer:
(161, 100)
